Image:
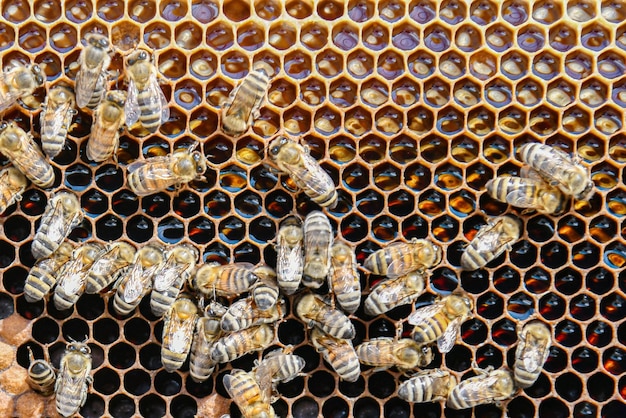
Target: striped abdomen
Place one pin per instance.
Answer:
(246, 100)
(340, 354)
(430, 329)
(150, 110)
(433, 385)
(104, 137)
(201, 365)
(236, 344)
(41, 377)
(32, 163)
(98, 92)
(64, 300)
(146, 179)
(42, 277)
(379, 261)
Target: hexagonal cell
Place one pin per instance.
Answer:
(514, 65)
(313, 92)
(420, 120)
(437, 38)
(581, 10)
(63, 37)
(514, 12)
(174, 11)
(298, 64)
(188, 94)
(482, 65)
(327, 121)
(528, 92)
(614, 12)
(605, 176)
(546, 66)
(235, 65)
(372, 149)
(43, 10)
(611, 65)
(464, 149)
(281, 93)
(593, 93)
(531, 38)
(433, 148)
(109, 11)
(342, 149)
(220, 36)
(7, 36)
(390, 65)
(452, 65)
(405, 37)
(374, 92)
(436, 92)
(450, 121)
(32, 37)
(375, 36)
(388, 120)
(543, 121)
(297, 120)
(268, 9)
(496, 149)
(578, 65)
(595, 37)
(329, 63)
(512, 120)
(498, 93)
(576, 120)
(299, 9)
(360, 63)
(251, 36)
(345, 36)
(620, 37)
(267, 123)
(358, 121)
(78, 11)
(360, 11)
(452, 11)
(237, 10)
(481, 121)
(282, 36)
(204, 11)
(203, 65)
(314, 36)
(343, 92)
(561, 93)
(421, 64)
(483, 12)
(617, 148)
(217, 92)
(562, 37)
(499, 37)
(157, 36)
(608, 120)
(172, 64)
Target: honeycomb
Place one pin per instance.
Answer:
(412, 107)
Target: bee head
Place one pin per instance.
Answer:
(201, 162)
(38, 74)
(10, 138)
(139, 55)
(97, 40)
(276, 145)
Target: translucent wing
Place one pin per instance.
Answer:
(242, 309)
(167, 275)
(180, 332)
(154, 168)
(134, 287)
(521, 198)
(131, 108)
(530, 173)
(290, 264)
(8, 97)
(87, 80)
(344, 280)
(481, 389)
(447, 340)
(52, 125)
(424, 313)
(155, 99)
(389, 292)
(57, 221)
(489, 239)
(319, 180)
(243, 102)
(73, 277)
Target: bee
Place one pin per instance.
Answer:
(20, 148)
(18, 82)
(243, 104)
(145, 101)
(392, 293)
(74, 378)
(295, 160)
(314, 311)
(12, 185)
(224, 280)
(441, 321)
(56, 118)
(531, 353)
(43, 275)
(94, 60)
(208, 330)
(73, 275)
(558, 169)
(489, 386)
(109, 266)
(289, 257)
(62, 214)
(108, 119)
(386, 352)
(343, 277)
(180, 261)
(137, 280)
(318, 238)
(531, 193)
(490, 241)
(427, 386)
(247, 395)
(236, 344)
(178, 329)
(41, 375)
(156, 174)
(278, 366)
(265, 291)
(245, 313)
(339, 353)
(400, 258)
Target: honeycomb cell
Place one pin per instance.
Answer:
(342, 92)
(329, 10)
(468, 38)
(78, 11)
(578, 65)
(106, 381)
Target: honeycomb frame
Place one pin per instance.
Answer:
(411, 107)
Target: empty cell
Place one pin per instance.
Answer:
(106, 381)
(489, 305)
(93, 407)
(45, 330)
(75, 329)
(123, 356)
(600, 387)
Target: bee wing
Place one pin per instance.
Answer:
(398, 266)
(424, 313)
(72, 277)
(320, 182)
(168, 274)
(482, 390)
(489, 240)
(135, 284)
(157, 98)
(58, 221)
(389, 292)
(71, 384)
(159, 168)
(447, 340)
(290, 262)
(242, 104)
(520, 198)
(242, 309)
(528, 172)
(180, 332)
(53, 120)
(87, 80)
(131, 107)
(8, 97)
(344, 280)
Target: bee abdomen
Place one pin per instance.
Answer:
(98, 92)
(172, 361)
(122, 307)
(161, 301)
(524, 378)
(41, 377)
(42, 246)
(471, 259)
(416, 390)
(150, 116)
(429, 331)
(64, 301)
(38, 284)
(346, 364)
(67, 404)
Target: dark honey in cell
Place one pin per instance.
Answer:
(417, 177)
(201, 230)
(552, 306)
(217, 204)
(537, 280)
(504, 332)
(432, 203)
(232, 229)
(356, 177)
(613, 306)
(489, 305)
(568, 281)
(370, 203)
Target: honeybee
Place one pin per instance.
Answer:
(531, 193)
(441, 321)
(20, 148)
(490, 241)
(73, 275)
(12, 185)
(155, 174)
(265, 291)
(145, 101)
(289, 256)
(427, 386)
(558, 169)
(74, 379)
(18, 82)
(243, 104)
(208, 330)
(56, 118)
(386, 352)
(94, 60)
(247, 395)
(489, 386)
(278, 366)
(109, 266)
(318, 238)
(108, 119)
(180, 261)
(62, 214)
(392, 293)
(339, 353)
(137, 280)
(531, 353)
(178, 328)
(245, 313)
(43, 275)
(343, 277)
(236, 344)
(294, 159)
(224, 280)
(314, 311)
(400, 258)
(41, 375)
